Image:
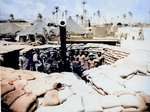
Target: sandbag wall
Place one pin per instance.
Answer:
(110, 53)
(127, 79)
(114, 53)
(21, 88)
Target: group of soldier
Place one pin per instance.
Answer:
(49, 60)
(83, 60)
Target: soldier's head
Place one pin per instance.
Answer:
(81, 52)
(86, 53)
(76, 52)
(91, 56)
(99, 54)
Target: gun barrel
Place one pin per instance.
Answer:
(63, 39)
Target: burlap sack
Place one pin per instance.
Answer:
(74, 104)
(10, 80)
(109, 101)
(129, 100)
(22, 103)
(12, 96)
(6, 88)
(142, 104)
(5, 72)
(87, 72)
(64, 94)
(36, 86)
(100, 91)
(57, 108)
(51, 98)
(130, 110)
(91, 103)
(146, 97)
(114, 109)
(20, 84)
(123, 91)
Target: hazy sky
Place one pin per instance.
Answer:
(29, 9)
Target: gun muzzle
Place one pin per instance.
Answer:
(62, 26)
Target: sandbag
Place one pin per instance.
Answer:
(57, 108)
(51, 98)
(91, 103)
(94, 73)
(99, 78)
(109, 101)
(20, 84)
(33, 107)
(12, 96)
(6, 88)
(142, 105)
(22, 103)
(123, 91)
(114, 109)
(10, 80)
(56, 75)
(100, 91)
(39, 101)
(139, 83)
(129, 101)
(37, 75)
(64, 94)
(5, 72)
(130, 110)
(70, 76)
(142, 68)
(108, 86)
(38, 87)
(87, 72)
(74, 104)
(25, 76)
(130, 76)
(65, 81)
(50, 80)
(146, 97)
(120, 71)
(126, 71)
(35, 86)
(81, 88)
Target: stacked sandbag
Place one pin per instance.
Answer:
(111, 81)
(5, 72)
(23, 103)
(146, 97)
(41, 86)
(9, 98)
(51, 98)
(64, 94)
(139, 83)
(106, 84)
(91, 103)
(113, 53)
(25, 86)
(142, 104)
(129, 102)
(12, 87)
(77, 86)
(74, 104)
(111, 103)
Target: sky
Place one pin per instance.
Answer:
(110, 10)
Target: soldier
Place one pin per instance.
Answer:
(86, 58)
(91, 61)
(76, 62)
(81, 57)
